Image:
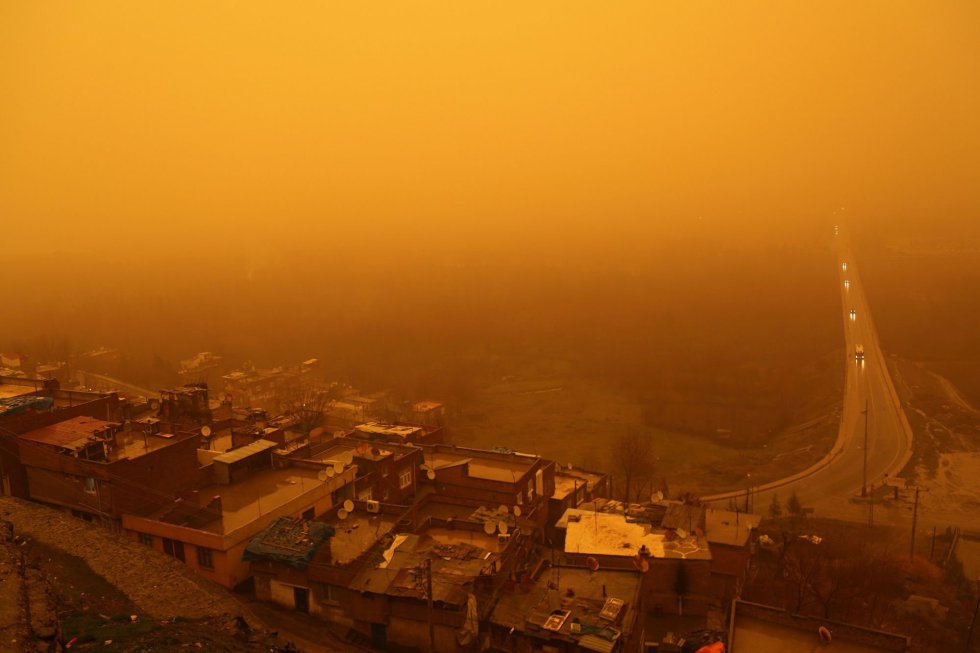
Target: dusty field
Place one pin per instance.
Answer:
(574, 421)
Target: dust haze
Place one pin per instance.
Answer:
(431, 197)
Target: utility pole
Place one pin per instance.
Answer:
(864, 482)
(915, 515)
(871, 513)
(973, 622)
(427, 568)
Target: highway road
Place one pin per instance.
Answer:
(832, 486)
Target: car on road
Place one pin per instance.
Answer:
(843, 266)
(859, 353)
(847, 283)
(854, 314)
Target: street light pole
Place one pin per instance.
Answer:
(915, 515)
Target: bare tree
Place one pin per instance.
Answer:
(633, 460)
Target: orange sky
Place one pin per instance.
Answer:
(447, 123)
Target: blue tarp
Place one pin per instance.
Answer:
(289, 540)
(13, 405)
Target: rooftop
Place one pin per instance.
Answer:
(568, 479)
(246, 451)
(357, 533)
(601, 602)
(729, 527)
(599, 533)
(74, 433)
(503, 470)
(394, 430)
(245, 502)
(454, 566)
(764, 629)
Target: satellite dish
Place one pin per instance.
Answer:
(348, 505)
(338, 468)
(322, 475)
(342, 513)
(657, 496)
(330, 472)
(206, 431)
(502, 509)
(431, 475)
(155, 405)
(489, 527)
(592, 563)
(502, 527)
(517, 511)
(824, 634)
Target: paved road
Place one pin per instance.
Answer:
(831, 485)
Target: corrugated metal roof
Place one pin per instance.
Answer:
(596, 643)
(241, 453)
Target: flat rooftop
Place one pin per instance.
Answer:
(589, 593)
(355, 535)
(728, 527)
(599, 533)
(491, 469)
(395, 430)
(764, 629)
(245, 502)
(568, 480)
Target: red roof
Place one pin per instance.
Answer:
(69, 432)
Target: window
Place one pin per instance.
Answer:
(365, 495)
(173, 548)
(330, 594)
(520, 498)
(205, 559)
(146, 539)
(309, 514)
(90, 485)
(405, 479)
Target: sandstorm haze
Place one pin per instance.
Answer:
(426, 192)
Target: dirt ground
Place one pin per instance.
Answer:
(946, 444)
(572, 420)
(96, 582)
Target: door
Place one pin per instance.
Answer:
(301, 599)
(379, 637)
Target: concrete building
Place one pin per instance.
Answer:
(209, 528)
(676, 563)
(389, 597)
(97, 469)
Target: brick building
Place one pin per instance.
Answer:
(97, 469)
